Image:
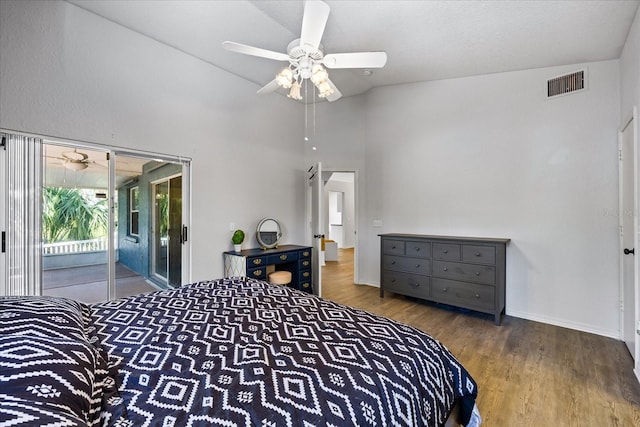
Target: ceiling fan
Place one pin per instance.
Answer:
(307, 59)
(75, 160)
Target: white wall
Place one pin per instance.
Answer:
(630, 70)
(68, 73)
(489, 156)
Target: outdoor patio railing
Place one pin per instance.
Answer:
(75, 247)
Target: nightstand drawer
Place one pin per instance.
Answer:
(446, 251)
(393, 247)
(479, 254)
(406, 284)
(467, 272)
(460, 294)
(410, 265)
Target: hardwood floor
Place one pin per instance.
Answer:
(528, 373)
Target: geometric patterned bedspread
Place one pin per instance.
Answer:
(242, 352)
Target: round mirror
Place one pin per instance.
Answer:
(268, 233)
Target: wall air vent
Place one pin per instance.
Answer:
(566, 84)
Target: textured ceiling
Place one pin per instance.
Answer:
(424, 40)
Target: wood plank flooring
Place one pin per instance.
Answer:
(528, 373)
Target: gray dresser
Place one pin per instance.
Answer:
(466, 272)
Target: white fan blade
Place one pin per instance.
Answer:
(355, 60)
(272, 86)
(314, 20)
(255, 51)
(336, 93)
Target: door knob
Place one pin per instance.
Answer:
(318, 236)
(631, 251)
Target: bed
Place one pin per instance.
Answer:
(227, 352)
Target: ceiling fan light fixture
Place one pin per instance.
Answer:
(285, 78)
(318, 74)
(325, 89)
(75, 165)
(294, 93)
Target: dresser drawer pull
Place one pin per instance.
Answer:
(305, 263)
(257, 261)
(414, 285)
(477, 295)
(477, 273)
(257, 272)
(393, 263)
(417, 265)
(393, 247)
(444, 289)
(477, 253)
(446, 251)
(445, 269)
(418, 249)
(283, 257)
(305, 254)
(393, 280)
(305, 274)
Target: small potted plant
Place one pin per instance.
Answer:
(237, 239)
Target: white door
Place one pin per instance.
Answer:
(314, 179)
(628, 232)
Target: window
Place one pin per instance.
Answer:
(133, 210)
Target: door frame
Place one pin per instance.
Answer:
(631, 120)
(152, 246)
(356, 212)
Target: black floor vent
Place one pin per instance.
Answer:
(566, 84)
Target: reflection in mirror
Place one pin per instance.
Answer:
(268, 233)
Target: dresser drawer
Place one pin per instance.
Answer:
(406, 284)
(304, 264)
(410, 265)
(393, 247)
(305, 276)
(479, 254)
(446, 251)
(257, 273)
(467, 272)
(304, 254)
(469, 295)
(258, 261)
(282, 258)
(417, 249)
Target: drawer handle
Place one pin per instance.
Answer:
(283, 257)
(393, 247)
(305, 274)
(393, 280)
(257, 272)
(305, 285)
(446, 251)
(257, 261)
(444, 289)
(418, 249)
(445, 269)
(305, 263)
(477, 273)
(477, 295)
(477, 253)
(305, 254)
(414, 285)
(393, 263)
(417, 265)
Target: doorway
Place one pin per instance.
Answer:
(340, 222)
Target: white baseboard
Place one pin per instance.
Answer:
(553, 321)
(565, 324)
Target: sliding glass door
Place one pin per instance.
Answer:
(167, 231)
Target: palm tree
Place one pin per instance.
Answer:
(72, 214)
